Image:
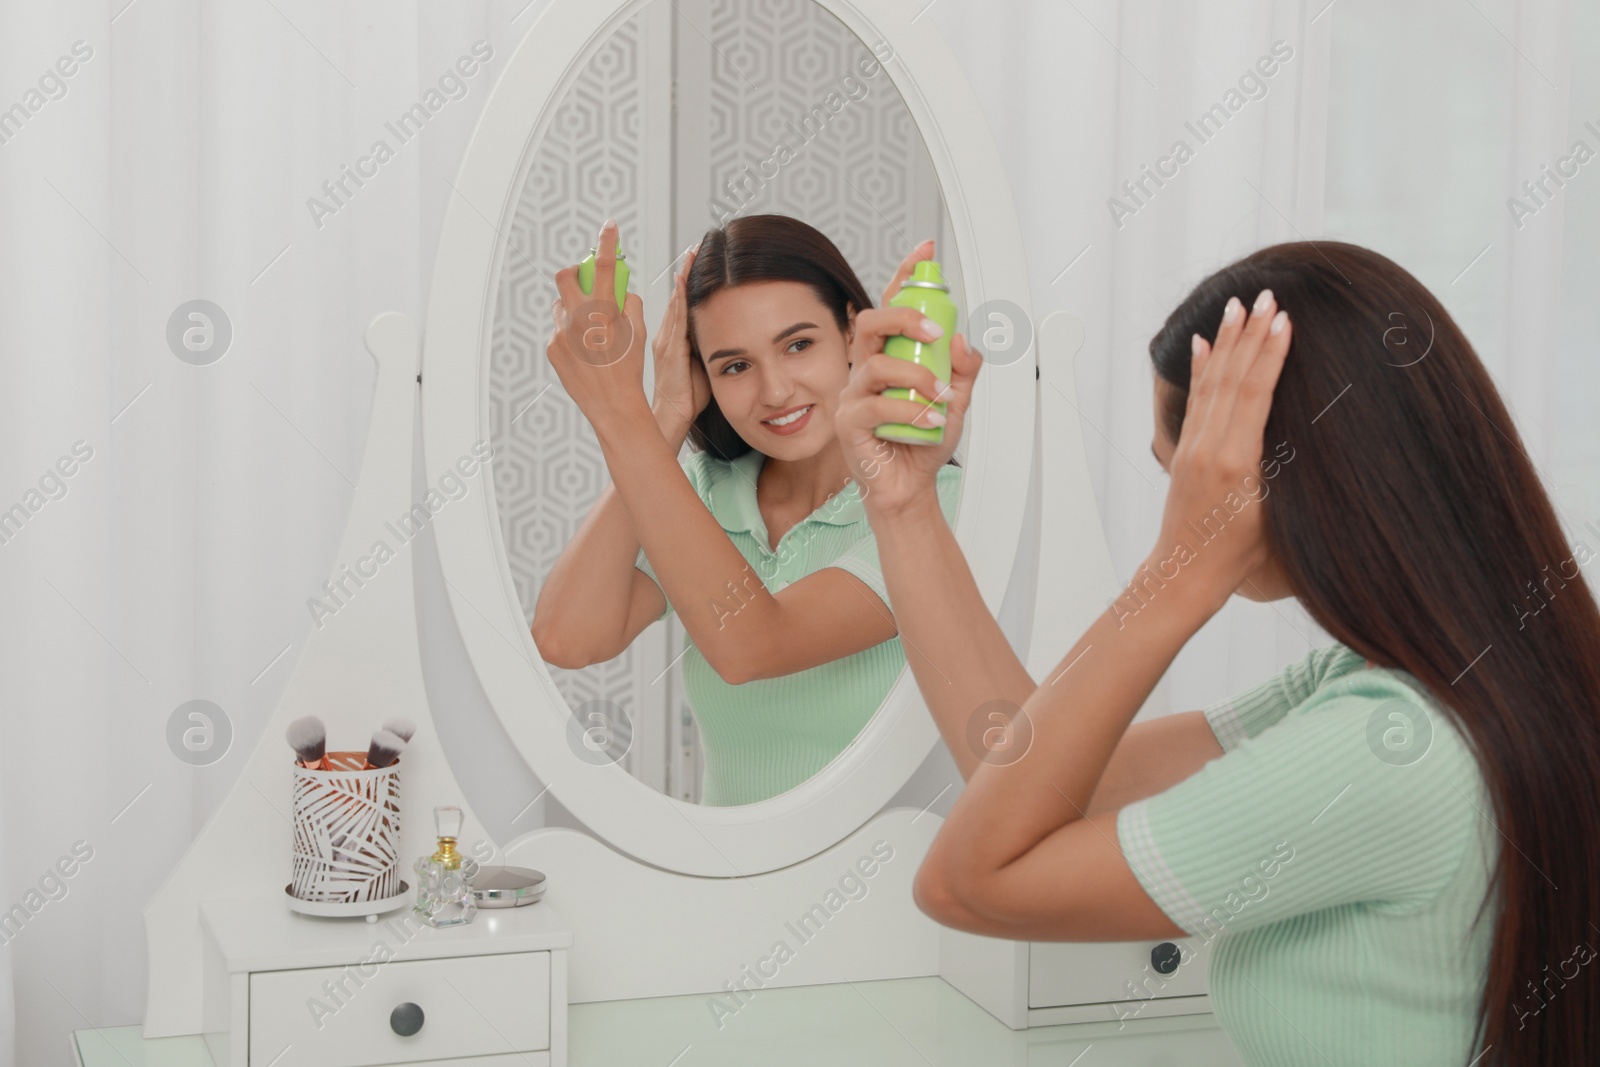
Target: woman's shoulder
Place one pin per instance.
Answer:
(706, 470)
(1398, 716)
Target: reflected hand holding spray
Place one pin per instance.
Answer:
(926, 291)
(586, 275)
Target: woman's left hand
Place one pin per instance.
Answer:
(1212, 529)
(892, 474)
(597, 350)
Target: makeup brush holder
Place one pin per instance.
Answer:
(347, 838)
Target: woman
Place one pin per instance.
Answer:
(759, 538)
(1341, 825)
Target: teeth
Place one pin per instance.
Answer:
(787, 419)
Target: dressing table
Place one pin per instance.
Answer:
(774, 932)
(894, 1022)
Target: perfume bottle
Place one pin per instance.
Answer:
(444, 883)
(586, 275)
(926, 291)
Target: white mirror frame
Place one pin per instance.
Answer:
(628, 814)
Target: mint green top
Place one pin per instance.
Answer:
(1333, 858)
(767, 736)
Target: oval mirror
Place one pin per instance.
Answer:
(779, 109)
(677, 117)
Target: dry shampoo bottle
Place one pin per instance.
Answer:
(926, 291)
(586, 275)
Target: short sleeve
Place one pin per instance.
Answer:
(1317, 812)
(1247, 714)
(861, 558)
(694, 467)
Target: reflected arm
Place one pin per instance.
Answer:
(594, 602)
(743, 631)
(964, 665)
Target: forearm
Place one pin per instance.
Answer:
(968, 673)
(584, 599)
(1078, 717)
(721, 600)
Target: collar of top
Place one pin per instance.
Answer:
(733, 499)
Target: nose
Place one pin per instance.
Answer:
(776, 388)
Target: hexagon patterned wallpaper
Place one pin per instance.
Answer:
(690, 113)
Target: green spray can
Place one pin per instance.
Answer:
(586, 275)
(926, 291)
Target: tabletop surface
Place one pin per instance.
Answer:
(898, 1022)
(261, 934)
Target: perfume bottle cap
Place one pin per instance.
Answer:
(925, 274)
(447, 820)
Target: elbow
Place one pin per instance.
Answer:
(737, 664)
(749, 654)
(551, 651)
(936, 899)
(732, 671)
(957, 906)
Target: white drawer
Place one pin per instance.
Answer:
(1062, 973)
(471, 1005)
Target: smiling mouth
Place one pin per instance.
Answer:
(793, 416)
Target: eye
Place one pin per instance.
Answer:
(800, 341)
(727, 367)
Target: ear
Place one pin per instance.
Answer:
(850, 323)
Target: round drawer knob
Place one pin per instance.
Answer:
(1164, 958)
(406, 1019)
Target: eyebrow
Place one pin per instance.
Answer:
(725, 353)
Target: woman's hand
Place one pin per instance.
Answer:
(681, 381)
(1212, 530)
(902, 272)
(891, 474)
(598, 351)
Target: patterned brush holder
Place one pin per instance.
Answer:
(347, 838)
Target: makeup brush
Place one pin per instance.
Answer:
(309, 738)
(401, 727)
(385, 749)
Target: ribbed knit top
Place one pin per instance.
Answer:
(1332, 860)
(766, 736)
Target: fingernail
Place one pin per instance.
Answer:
(933, 327)
(933, 418)
(1277, 322)
(1231, 312)
(607, 225)
(1263, 301)
(1194, 344)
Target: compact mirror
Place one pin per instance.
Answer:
(686, 117)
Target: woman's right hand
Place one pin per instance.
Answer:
(681, 381)
(924, 250)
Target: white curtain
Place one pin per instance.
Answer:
(176, 163)
(1403, 127)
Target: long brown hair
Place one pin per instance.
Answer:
(1414, 528)
(760, 248)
